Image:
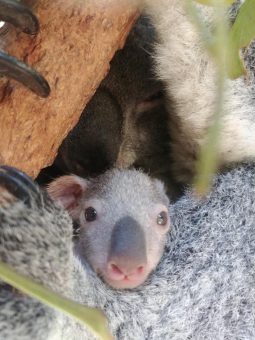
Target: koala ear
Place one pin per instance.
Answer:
(161, 188)
(68, 191)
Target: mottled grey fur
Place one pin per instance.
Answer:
(203, 288)
(118, 208)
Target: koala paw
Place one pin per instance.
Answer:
(19, 185)
(35, 234)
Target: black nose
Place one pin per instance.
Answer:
(128, 245)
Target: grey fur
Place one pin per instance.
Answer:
(30, 242)
(203, 288)
(125, 237)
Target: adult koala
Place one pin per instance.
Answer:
(190, 75)
(204, 286)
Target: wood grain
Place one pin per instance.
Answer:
(76, 42)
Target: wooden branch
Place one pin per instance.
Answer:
(72, 51)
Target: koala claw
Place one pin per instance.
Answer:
(18, 184)
(19, 15)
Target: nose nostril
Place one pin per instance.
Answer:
(140, 270)
(119, 272)
(115, 269)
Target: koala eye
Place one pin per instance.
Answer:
(162, 218)
(90, 214)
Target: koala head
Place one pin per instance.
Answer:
(123, 217)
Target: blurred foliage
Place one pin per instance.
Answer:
(240, 36)
(90, 317)
(224, 44)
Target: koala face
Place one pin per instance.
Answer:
(123, 217)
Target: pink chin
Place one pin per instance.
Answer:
(125, 283)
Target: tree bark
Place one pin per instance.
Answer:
(77, 39)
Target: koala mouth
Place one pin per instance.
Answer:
(119, 280)
(125, 283)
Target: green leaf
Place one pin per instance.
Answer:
(224, 45)
(243, 30)
(90, 317)
(240, 36)
(216, 45)
(208, 161)
(234, 64)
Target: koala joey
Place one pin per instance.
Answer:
(121, 232)
(125, 122)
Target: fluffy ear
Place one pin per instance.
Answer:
(161, 188)
(68, 191)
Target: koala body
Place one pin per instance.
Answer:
(203, 287)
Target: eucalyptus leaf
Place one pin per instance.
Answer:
(90, 317)
(217, 46)
(241, 34)
(208, 161)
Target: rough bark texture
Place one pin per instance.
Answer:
(72, 51)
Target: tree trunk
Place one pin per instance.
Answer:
(72, 50)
